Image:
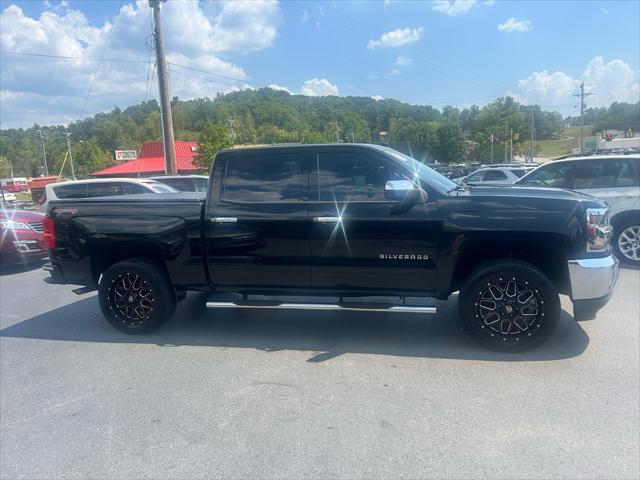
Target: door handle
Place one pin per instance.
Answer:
(327, 219)
(223, 219)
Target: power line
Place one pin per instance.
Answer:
(150, 47)
(104, 50)
(219, 75)
(64, 57)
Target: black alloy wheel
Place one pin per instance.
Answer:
(509, 305)
(136, 295)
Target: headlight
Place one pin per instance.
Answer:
(598, 229)
(11, 225)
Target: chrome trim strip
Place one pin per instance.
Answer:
(327, 219)
(593, 277)
(223, 219)
(325, 306)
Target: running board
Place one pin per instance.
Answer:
(324, 306)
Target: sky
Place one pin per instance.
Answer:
(443, 52)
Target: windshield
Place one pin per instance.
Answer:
(427, 175)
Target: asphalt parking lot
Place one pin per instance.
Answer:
(266, 394)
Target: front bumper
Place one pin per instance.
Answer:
(592, 281)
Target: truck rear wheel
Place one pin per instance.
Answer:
(510, 306)
(136, 296)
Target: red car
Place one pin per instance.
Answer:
(21, 238)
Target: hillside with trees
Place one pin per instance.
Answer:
(269, 116)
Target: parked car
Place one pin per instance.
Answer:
(103, 187)
(184, 183)
(7, 197)
(494, 176)
(614, 179)
(21, 238)
(364, 224)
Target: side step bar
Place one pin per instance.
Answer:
(324, 306)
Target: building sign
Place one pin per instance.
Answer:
(124, 155)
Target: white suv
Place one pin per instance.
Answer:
(612, 178)
(103, 187)
(503, 175)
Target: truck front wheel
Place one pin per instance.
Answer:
(509, 306)
(136, 296)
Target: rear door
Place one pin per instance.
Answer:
(613, 180)
(257, 220)
(356, 240)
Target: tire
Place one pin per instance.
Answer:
(151, 299)
(509, 306)
(626, 242)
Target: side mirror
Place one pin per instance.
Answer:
(403, 191)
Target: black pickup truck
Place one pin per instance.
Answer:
(344, 226)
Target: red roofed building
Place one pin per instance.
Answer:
(151, 161)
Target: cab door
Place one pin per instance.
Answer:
(357, 241)
(257, 220)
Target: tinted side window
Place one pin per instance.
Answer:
(550, 175)
(182, 184)
(476, 177)
(264, 178)
(133, 188)
(71, 191)
(494, 175)
(356, 177)
(104, 189)
(603, 174)
(201, 184)
(518, 172)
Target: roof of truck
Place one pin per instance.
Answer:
(303, 146)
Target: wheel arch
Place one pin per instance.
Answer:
(623, 217)
(545, 254)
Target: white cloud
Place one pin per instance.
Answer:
(604, 10)
(304, 17)
(377, 98)
(58, 87)
(515, 25)
(613, 81)
(488, 3)
(402, 60)
(453, 7)
(397, 38)
(395, 71)
(275, 86)
(372, 76)
(319, 88)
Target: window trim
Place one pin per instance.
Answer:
(304, 171)
(316, 172)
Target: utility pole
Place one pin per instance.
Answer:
(582, 96)
(163, 87)
(44, 152)
(531, 149)
(73, 173)
(511, 145)
(492, 149)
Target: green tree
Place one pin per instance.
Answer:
(451, 143)
(213, 138)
